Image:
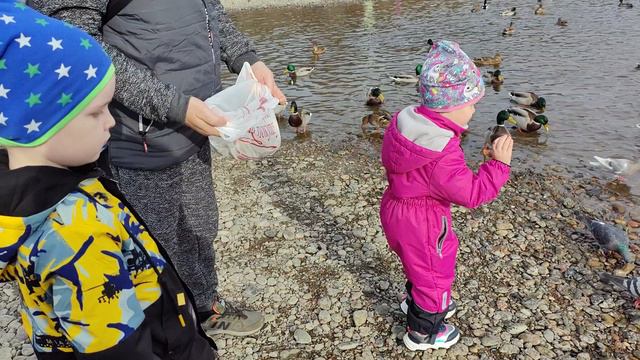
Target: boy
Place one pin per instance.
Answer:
(94, 283)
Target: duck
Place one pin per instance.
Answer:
(562, 22)
(527, 121)
(488, 60)
(495, 132)
(299, 119)
(379, 119)
(484, 5)
(496, 77)
(406, 78)
(279, 111)
(509, 30)
(638, 66)
(375, 97)
(529, 99)
(509, 12)
(317, 49)
(539, 10)
(623, 4)
(476, 8)
(301, 71)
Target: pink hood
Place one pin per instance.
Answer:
(423, 158)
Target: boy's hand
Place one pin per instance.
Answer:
(265, 77)
(202, 119)
(502, 149)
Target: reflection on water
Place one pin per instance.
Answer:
(585, 70)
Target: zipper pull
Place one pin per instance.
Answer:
(144, 144)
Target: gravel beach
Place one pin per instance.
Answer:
(300, 239)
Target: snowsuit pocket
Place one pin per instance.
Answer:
(444, 231)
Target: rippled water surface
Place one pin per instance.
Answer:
(585, 71)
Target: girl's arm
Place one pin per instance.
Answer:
(453, 181)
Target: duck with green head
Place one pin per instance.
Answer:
(495, 132)
(529, 99)
(375, 97)
(299, 119)
(408, 79)
(294, 72)
(528, 121)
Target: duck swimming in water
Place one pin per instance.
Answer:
(406, 78)
(529, 99)
(495, 132)
(375, 97)
(509, 30)
(528, 121)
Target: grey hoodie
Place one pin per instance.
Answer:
(163, 55)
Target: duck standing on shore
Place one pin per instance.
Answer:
(527, 121)
(509, 30)
(375, 97)
(528, 99)
(495, 132)
(299, 119)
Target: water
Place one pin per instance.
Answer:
(585, 71)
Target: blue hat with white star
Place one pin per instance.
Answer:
(49, 72)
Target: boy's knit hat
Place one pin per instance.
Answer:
(49, 72)
(449, 80)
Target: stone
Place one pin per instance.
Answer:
(324, 303)
(359, 317)
(288, 354)
(26, 350)
(509, 349)
(324, 316)
(625, 270)
(532, 339)
(302, 337)
(349, 345)
(501, 225)
(549, 335)
(490, 341)
(516, 329)
(619, 208)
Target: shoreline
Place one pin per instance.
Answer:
(300, 240)
(240, 5)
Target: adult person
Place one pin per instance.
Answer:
(168, 55)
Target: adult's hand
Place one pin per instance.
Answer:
(265, 76)
(202, 119)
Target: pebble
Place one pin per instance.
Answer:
(517, 329)
(349, 345)
(359, 317)
(490, 341)
(549, 335)
(302, 337)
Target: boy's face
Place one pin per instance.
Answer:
(83, 138)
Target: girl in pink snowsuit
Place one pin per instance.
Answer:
(427, 173)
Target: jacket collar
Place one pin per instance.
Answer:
(440, 120)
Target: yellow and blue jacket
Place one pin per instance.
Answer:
(94, 283)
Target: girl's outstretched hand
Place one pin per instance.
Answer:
(502, 149)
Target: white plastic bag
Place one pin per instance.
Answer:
(252, 131)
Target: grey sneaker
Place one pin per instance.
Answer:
(447, 336)
(229, 320)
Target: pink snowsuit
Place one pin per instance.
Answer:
(427, 172)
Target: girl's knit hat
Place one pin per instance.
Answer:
(449, 80)
(49, 72)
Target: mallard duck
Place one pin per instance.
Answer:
(476, 8)
(317, 49)
(529, 99)
(484, 5)
(625, 5)
(539, 10)
(409, 79)
(562, 22)
(496, 77)
(488, 60)
(495, 132)
(638, 66)
(379, 119)
(527, 121)
(509, 12)
(279, 111)
(375, 97)
(509, 30)
(299, 119)
(302, 71)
